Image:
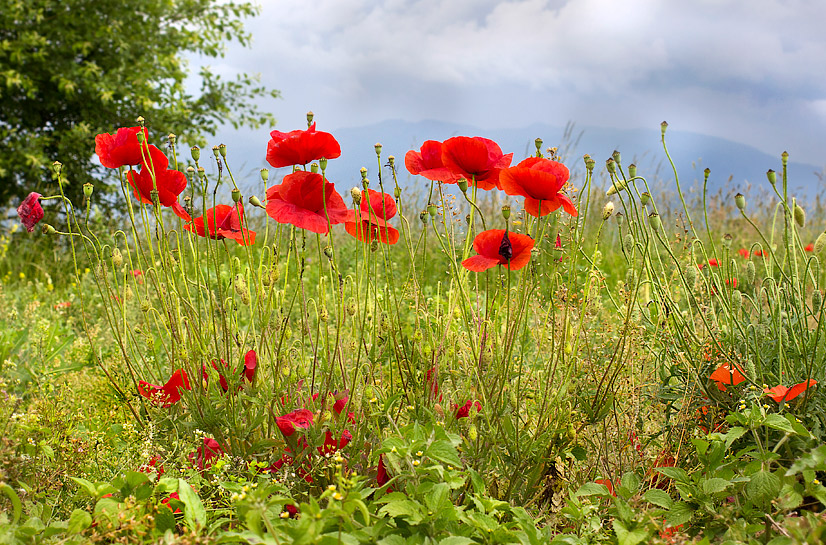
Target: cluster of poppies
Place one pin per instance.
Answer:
(731, 375)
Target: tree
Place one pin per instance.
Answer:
(70, 69)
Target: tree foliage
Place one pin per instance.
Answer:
(70, 69)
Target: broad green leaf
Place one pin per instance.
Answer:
(444, 452)
(629, 537)
(456, 540)
(90, 488)
(763, 487)
(79, 521)
(676, 473)
(194, 512)
(714, 485)
(593, 489)
(777, 422)
(680, 513)
(658, 497)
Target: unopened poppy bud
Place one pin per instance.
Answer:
(740, 201)
(328, 251)
(663, 127)
(645, 198)
(88, 189)
(356, 194)
(616, 157)
(817, 301)
(363, 172)
(255, 201)
(57, 166)
(632, 171)
(727, 240)
(620, 218)
(377, 147)
(222, 149)
(462, 185)
(350, 307)
(314, 168)
(607, 210)
(117, 258)
(611, 166)
(431, 209)
(772, 176)
(236, 195)
(691, 276)
(323, 164)
(48, 229)
(265, 174)
(216, 152)
(799, 215)
(145, 305)
(310, 116)
(397, 192)
(374, 245)
(266, 280)
(784, 158)
(195, 151)
(736, 301)
(506, 211)
(655, 221)
(323, 314)
(616, 186)
(629, 240)
(472, 433)
(154, 197)
(653, 312)
(706, 174)
(751, 272)
(630, 277)
(820, 243)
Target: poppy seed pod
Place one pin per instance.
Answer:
(799, 215)
(222, 149)
(57, 166)
(740, 201)
(751, 272)
(772, 176)
(663, 127)
(590, 164)
(310, 116)
(265, 174)
(538, 144)
(314, 168)
(655, 221)
(391, 160)
(236, 195)
(322, 163)
(328, 251)
(632, 171)
(784, 158)
(397, 192)
(611, 166)
(820, 243)
(423, 216)
(255, 201)
(195, 151)
(462, 185)
(216, 152)
(727, 240)
(377, 147)
(87, 190)
(431, 209)
(645, 198)
(506, 212)
(48, 229)
(616, 157)
(706, 174)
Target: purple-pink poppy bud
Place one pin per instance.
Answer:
(30, 211)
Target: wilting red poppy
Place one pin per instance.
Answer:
(810, 247)
(247, 371)
(539, 181)
(431, 382)
(122, 148)
(169, 393)
(743, 253)
(781, 393)
(250, 365)
(301, 147)
(382, 478)
(725, 375)
(291, 510)
(223, 221)
(170, 183)
(713, 262)
(497, 247)
(153, 466)
(300, 418)
(30, 211)
(300, 200)
(476, 159)
(203, 455)
(608, 484)
(464, 410)
(370, 223)
(427, 162)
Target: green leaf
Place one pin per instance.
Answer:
(777, 422)
(408, 509)
(87, 486)
(194, 512)
(763, 487)
(658, 497)
(444, 452)
(437, 497)
(676, 473)
(79, 521)
(593, 489)
(680, 513)
(629, 537)
(733, 435)
(715, 485)
(164, 519)
(456, 540)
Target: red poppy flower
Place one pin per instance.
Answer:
(223, 221)
(250, 365)
(30, 211)
(810, 247)
(170, 183)
(496, 247)
(301, 418)
(291, 510)
(300, 200)
(153, 466)
(204, 455)
(427, 162)
(539, 181)
(331, 444)
(476, 159)
(724, 375)
(382, 478)
(168, 394)
(247, 371)
(172, 496)
(608, 484)
(301, 147)
(371, 221)
(758, 253)
(464, 410)
(743, 252)
(713, 262)
(781, 393)
(431, 382)
(63, 304)
(122, 148)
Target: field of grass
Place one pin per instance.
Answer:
(648, 372)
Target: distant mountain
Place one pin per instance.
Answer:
(740, 163)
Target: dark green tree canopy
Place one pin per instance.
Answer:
(70, 69)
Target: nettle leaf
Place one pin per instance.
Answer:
(764, 486)
(79, 521)
(715, 485)
(593, 489)
(658, 497)
(456, 540)
(676, 473)
(777, 422)
(680, 513)
(629, 537)
(444, 452)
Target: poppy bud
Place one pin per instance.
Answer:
(629, 241)
(431, 209)
(655, 221)
(620, 218)
(195, 151)
(784, 158)
(356, 194)
(117, 258)
(310, 116)
(255, 201)
(462, 185)
(314, 168)
(328, 251)
(645, 198)
(820, 243)
(215, 151)
(740, 201)
(144, 305)
(663, 127)
(377, 147)
(57, 166)
(128, 295)
(772, 176)
(611, 166)
(265, 277)
(736, 301)
(607, 210)
(506, 211)
(323, 314)
(397, 192)
(472, 433)
(222, 149)
(172, 138)
(48, 229)
(817, 300)
(653, 312)
(691, 276)
(154, 197)
(750, 272)
(275, 274)
(265, 174)
(617, 186)
(727, 240)
(616, 157)
(323, 164)
(374, 245)
(423, 216)
(350, 307)
(632, 171)
(236, 195)
(706, 174)
(630, 276)
(799, 215)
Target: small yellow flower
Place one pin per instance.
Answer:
(374, 400)
(337, 496)
(419, 453)
(815, 481)
(416, 463)
(284, 515)
(331, 488)
(22, 275)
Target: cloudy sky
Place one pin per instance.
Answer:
(751, 71)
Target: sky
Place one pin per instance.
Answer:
(751, 71)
